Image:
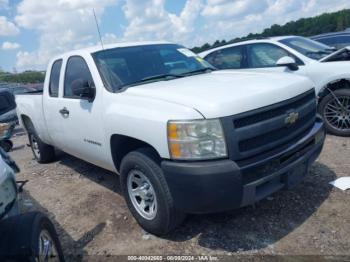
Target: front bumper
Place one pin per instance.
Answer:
(214, 186)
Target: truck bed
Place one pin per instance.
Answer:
(30, 105)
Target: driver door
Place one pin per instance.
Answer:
(81, 120)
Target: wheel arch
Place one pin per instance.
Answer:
(121, 145)
(332, 86)
(27, 123)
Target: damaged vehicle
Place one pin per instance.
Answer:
(27, 236)
(184, 137)
(328, 68)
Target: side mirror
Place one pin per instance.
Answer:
(288, 62)
(83, 89)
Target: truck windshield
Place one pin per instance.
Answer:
(307, 47)
(129, 66)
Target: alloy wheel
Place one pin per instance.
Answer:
(337, 113)
(47, 248)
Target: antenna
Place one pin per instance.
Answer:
(98, 28)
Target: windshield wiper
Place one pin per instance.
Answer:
(202, 70)
(163, 76)
(154, 78)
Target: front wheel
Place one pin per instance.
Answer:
(335, 110)
(29, 237)
(46, 246)
(147, 194)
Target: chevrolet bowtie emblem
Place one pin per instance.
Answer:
(291, 118)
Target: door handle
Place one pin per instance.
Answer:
(64, 112)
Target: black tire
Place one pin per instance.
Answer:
(23, 234)
(43, 153)
(167, 217)
(322, 109)
(7, 145)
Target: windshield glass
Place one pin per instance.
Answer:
(128, 66)
(307, 47)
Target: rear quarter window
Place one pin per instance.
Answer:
(55, 78)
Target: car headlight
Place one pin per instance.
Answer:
(196, 140)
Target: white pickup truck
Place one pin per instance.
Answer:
(183, 137)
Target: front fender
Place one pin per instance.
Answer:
(144, 119)
(326, 73)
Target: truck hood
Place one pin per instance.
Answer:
(339, 55)
(226, 92)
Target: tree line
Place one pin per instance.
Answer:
(27, 77)
(325, 23)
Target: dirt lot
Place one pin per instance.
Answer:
(91, 216)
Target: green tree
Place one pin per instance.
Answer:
(327, 22)
(24, 78)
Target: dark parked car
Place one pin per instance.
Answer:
(337, 40)
(24, 236)
(7, 106)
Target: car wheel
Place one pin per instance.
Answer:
(335, 110)
(7, 145)
(32, 237)
(42, 152)
(147, 194)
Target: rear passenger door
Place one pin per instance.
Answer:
(52, 104)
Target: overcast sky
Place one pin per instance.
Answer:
(32, 31)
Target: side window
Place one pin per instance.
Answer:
(77, 71)
(228, 58)
(55, 78)
(266, 55)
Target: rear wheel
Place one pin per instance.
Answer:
(42, 152)
(147, 194)
(335, 109)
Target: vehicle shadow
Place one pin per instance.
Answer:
(94, 173)
(73, 249)
(260, 226)
(244, 229)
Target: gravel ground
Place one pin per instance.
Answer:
(92, 219)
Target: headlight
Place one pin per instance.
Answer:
(196, 140)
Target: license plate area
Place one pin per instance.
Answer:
(295, 176)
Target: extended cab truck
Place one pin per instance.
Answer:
(183, 137)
